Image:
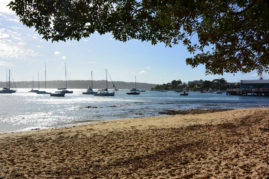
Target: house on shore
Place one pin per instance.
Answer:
(254, 84)
(251, 88)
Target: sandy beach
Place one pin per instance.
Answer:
(227, 144)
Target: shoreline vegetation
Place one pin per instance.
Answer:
(198, 85)
(214, 144)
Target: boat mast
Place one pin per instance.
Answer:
(45, 76)
(135, 82)
(9, 79)
(38, 84)
(65, 75)
(92, 79)
(32, 82)
(106, 80)
(6, 78)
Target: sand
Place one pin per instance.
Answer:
(228, 144)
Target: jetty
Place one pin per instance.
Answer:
(251, 88)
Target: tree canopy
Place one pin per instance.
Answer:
(197, 85)
(232, 35)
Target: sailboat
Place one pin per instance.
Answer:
(7, 90)
(219, 91)
(184, 93)
(64, 90)
(33, 85)
(57, 93)
(113, 84)
(134, 91)
(90, 87)
(105, 92)
(45, 84)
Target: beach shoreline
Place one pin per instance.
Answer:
(222, 144)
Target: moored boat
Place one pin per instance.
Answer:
(65, 90)
(184, 93)
(57, 94)
(7, 90)
(45, 83)
(134, 91)
(90, 88)
(105, 92)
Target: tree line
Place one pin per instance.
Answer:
(199, 85)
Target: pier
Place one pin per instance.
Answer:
(248, 92)
(251, 88)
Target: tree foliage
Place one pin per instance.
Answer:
(232, 35)
(198, 85)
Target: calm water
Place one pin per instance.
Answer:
(25, 111)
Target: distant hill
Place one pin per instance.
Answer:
(80, 84)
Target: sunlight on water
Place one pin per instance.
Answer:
(26, 111)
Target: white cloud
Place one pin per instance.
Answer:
(142, 72)
(12, 39)
(3, 34)
(5, 64)
(148, 68)
(64, 57)
(12, 50)
(3, 7)
(57, 53)
(263, 75)
(255, 75)
(35, 36)
(21, 43)
(12, 45)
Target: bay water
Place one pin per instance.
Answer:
(24, 111)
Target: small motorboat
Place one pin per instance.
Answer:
(57, 94)
(90, 87)
(104, 92)
(33, 91)
(90, 91)
(133, 91)
(7, 91)
(42, 92)
(184, 94)
(64, 90)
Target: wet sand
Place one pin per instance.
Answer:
(227, 144)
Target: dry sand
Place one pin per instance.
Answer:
(229, 144)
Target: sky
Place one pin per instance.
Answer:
(25, 53)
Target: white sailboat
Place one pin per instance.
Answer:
(57, 93)
(90, 87)
(7, 89)
(64, 90)
(33, 85)
(105, 92)
(45, 84)
(134, 91)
